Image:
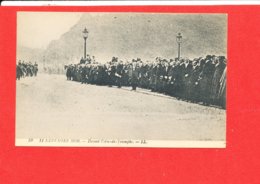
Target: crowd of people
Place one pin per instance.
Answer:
(26, 69)
(201, 80)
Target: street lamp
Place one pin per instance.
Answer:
(85, 36)
(179, 40)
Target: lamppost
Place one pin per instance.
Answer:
(85, 36)
(179, 40)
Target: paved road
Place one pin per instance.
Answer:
(49, 106)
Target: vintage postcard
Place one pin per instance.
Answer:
(121, 79)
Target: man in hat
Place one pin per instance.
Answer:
(206, 80)
(119, 74)
(35, 69)
(187, 74)
(83, 74)
(219, 68)
(18, 71)
(179, 75)
(82, 61)
(222, 89)
(193, 91)
(134, 75)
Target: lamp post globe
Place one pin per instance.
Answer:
(85, 36)
(179, 41)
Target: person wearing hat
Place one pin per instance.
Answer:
(178, 79)
(82, 61)
(134, 75)
(153, 77)
(18, 71)
(222, 89)
(160, 73)
(119, 74)
(186, 79)
(219, 68)
(83, 73)
(169, 88)
(206, 80)
(35, 69)
(193, 90)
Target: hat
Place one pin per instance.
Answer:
(208, 57)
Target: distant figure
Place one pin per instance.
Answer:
(82, 61)
(19, 71)
(35, 69)
(69, 72)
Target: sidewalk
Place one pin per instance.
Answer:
(149, 92)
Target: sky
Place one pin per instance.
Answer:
(125, 35)
(39, 30)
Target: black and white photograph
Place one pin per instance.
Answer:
(125, 79)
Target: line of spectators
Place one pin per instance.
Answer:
(201, 80)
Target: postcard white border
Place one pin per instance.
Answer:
(46, 142)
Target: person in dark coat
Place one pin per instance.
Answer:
(35, 69)
(113, 74)
(194, 81)
(222, 89)
(179, 83)
(219, 68)
(125, 76)
(186, 78)
(83, 75)
(171, 78)
(18, 72)
(119, 74)
(69, 71)
(143, 76)
(82, 61)
(164, 80)
(153, 78)
(159, 77)
(134, 75)
(206, 80)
